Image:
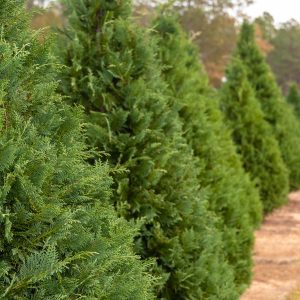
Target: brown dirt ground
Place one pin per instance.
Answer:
(277, 254)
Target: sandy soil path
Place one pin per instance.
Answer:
(277, 254)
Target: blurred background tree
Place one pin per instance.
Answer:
(211, 24)
(215, 36)
(32, 3)
(285, 57)
(52, 17)
(293, 98)
(266, 23)
(284, 53)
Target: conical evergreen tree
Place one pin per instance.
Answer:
(231, 194)
(277, 112)
(112, 70)
(253, 137)
(293, 99)
(59, 237)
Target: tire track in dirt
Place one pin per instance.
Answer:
(277, 254)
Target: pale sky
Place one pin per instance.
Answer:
(281, 10)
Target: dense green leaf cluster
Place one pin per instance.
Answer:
(113, 71)
(254, 138)
(59, 236)
(231, 195)
(277, 112)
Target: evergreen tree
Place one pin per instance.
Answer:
(277, 112)
(253, 137)
(113, 71)
(293, 99)
(60, 238)
(231, 194)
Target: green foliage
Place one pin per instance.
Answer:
(60, 238)
(293, 99)
(253, 137)
(231, 194)
(113, 71)
(277, 112)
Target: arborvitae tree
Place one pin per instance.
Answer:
(293, 99)
(254, 138)
(60, 238)
(113, 71)
(232, 196)
(277, 112)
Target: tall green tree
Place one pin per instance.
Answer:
(254, 138)
(113, 71)
(293, 99)
(231, 194)
(276, 110)
(59, 237)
